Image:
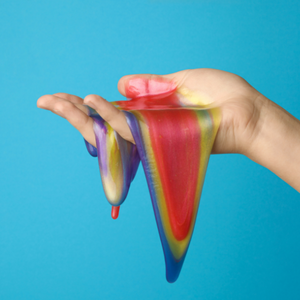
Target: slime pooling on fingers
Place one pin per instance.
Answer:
(174, 134)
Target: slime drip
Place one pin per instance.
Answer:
(174, 135)
(115, 212)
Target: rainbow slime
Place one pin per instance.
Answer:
(174, 134)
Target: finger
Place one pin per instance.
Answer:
(59, 105)
(76, 114)
(69, 97)
(111, 115)
(141, 85)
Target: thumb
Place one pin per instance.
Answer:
(132, 86)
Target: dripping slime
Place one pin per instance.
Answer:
(174, 133)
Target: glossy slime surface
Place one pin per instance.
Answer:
(174, 134)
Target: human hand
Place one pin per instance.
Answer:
(239, 102)
(251, 124)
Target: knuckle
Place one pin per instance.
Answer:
(63, 107)
(90, 98)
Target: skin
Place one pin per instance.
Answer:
(251, 124)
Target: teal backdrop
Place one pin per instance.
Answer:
(57, 239)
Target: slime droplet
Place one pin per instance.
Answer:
(115, 212)
(174, 136)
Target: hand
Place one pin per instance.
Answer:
(251, 124)
(239, 102)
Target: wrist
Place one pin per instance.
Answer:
(276, 145)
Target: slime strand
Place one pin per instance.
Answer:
(118, 160)
(174, 135)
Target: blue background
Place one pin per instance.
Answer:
(57, 239)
